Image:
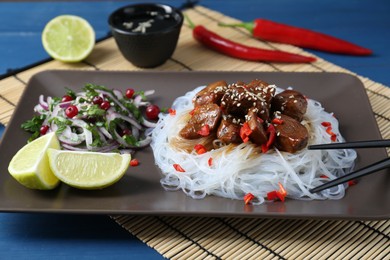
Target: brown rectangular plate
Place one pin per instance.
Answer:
(140, 192)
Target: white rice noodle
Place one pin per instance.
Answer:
(238, 170)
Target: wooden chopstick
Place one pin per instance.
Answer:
(354, 175)
(350, 145)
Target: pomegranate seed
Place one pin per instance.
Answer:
(152, 112)
(71, 111)
(66, 98)
(97, 100)
(126, 132)
(43, 130)
(130, 93)
(105, 105)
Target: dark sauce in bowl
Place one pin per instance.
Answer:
(146, 34)
(145, 19)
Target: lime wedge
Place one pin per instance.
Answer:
(68, 38)
(30, 165)
(88, 170)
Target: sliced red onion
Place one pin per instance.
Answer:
(148, 123)
(105, 132)
(43, 103)
(118, 93)
(127, 119)
(149, 92)
(65, 104)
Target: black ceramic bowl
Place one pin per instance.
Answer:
(146, 34)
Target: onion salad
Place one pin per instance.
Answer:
(96, 119)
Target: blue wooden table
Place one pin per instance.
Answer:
(40, 236)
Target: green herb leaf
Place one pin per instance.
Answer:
(33, 125)
(95, 111)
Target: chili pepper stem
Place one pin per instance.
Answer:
(248, 25)
(190, 23)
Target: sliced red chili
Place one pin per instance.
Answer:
(277, 121)
(272, 195)
(282, 193)
(277, 194)
(134, 162)
(178, 167)
(245, 131)
(333, 136)
(172, 112)
(248, 198)
(271, 131)
(200, 149)
(204, 130)
(210, 161)
(326, 124)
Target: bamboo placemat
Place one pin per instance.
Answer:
(233, 238)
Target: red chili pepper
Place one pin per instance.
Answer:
(245, 132)
(248, 198)
(277, 194)
(277, 121)
(172, 112)
(204, 130)
(326, 124)
(178, 167)
(134, 162)
(240, 51)
(210, 161)
(277, 32)
(333, 136)
(200, 149)
(271, 131)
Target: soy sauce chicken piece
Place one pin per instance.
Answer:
(238, 100)
(291, 103)
(208, 114)
(212, 93)
(258, 135)
(229, 130)
(291, 135)
(262, 89)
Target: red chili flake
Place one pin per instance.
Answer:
(193, 111)
(272, 195)
(245, 131)
(277, 194)
(333, 136)
(324, 176)
(248, 198)
(200, 149)
(277, 121)
(210, 161)
(352, 182)
(172, 112)
(178, 167)
(326, 124)
(271, 131)
(134, 162)
(204, 130)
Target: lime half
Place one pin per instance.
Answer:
(88, 170)
(68, 38)
(30, 165)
